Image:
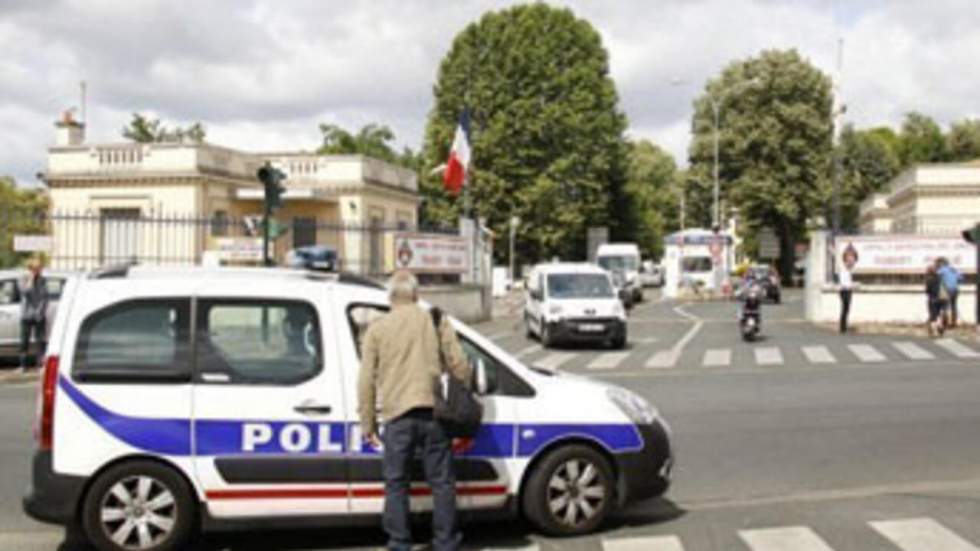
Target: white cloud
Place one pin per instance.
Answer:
(262, 74)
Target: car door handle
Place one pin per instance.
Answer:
(313, 409)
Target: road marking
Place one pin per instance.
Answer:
(528, 350)
(717, 357)
(663, 359)
(498, 336)
(795, 538)
(922, 534)
(957, 348)
(768, 356)
(609, 360)
(649, 543)
(913, 351)
(819, 355)
(554, 360)
(645, 340)
(867, 353)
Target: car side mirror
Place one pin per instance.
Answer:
(536, 294)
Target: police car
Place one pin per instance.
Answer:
(173, 400)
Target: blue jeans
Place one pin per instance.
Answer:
(403, 437)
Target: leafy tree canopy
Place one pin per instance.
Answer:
(963, 140)
(547, 134)
(775, 144)
(21, 212)
(142, 129)
(869, 161)
(921, 140)
(651, 186)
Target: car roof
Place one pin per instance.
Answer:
(569, 268)
(618, 248)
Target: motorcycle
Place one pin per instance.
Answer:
(750, 316)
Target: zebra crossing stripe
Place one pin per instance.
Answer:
(819, 355)
(768, 356)
(957, 348)
(650, 543)
(717, 357)
(797, 538)
(866, 353)
(608, 360)
(922, 534)
(554, 360)
(663, 359)
(913, 351)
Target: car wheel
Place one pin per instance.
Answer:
(138, 506)
(546, 338)
(619, 343)
(527, 327)
(570, 492)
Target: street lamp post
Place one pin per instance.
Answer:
(716, 207)
(514, 222)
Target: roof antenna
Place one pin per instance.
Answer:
(81, 85)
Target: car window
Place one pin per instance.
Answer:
(500, 378)
(55, 285)
(579, 286)
(258, 342)
(8, 292)
(135, 340)
(696, 264)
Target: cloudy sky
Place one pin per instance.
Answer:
(261, 74)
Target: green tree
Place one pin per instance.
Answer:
(921, 140)
(22, 211)
(142, 129)
(652, 187)
(963, 140)
(775, 143)
(372, 140)
(868, 163)
(547, 133)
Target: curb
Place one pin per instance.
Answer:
(14, 377)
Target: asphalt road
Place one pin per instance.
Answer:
(844, 443)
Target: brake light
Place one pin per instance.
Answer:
(44, 431)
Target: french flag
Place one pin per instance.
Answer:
(459, 156)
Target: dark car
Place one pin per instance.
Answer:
(314, 257)
(769, 279)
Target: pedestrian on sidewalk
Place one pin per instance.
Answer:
(401, 364)
(949, 278)
(33, 311)
(845, 282)
(936, 302)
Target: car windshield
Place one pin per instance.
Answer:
(562, 286)
(696, 264)
(618, 262)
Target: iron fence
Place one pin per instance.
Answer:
(87, 240)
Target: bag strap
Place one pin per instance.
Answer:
(436, 315)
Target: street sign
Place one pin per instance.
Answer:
(33, 243)
(768, 245)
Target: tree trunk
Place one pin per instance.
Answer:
(787, 254)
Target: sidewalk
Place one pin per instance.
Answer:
(14, 376)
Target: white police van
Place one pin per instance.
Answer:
(173, 400)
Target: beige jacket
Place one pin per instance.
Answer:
(400, 360)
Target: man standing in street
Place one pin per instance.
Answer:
(401, 364)
(845, 280)
(949, 278)
(33, 312)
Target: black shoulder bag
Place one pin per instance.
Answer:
(456, 407)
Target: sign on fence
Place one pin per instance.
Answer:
(906, 254)
(429, 253)
(33, 243)
(236, 249)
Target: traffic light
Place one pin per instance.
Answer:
(272, 179)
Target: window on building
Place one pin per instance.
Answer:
(304, 231)
(258, 342)
(135, 340)
(220, 223)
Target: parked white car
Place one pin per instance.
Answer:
(651, 274)
(625, 259)
(574, 302)
(178, 400)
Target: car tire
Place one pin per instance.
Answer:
(619, 343)
(527, 327)
(159, 516)
(547, 341)
(559, 511)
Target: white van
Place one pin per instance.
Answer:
(226, 398)
(573, 302)
(623, 258)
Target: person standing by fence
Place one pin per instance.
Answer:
(845, 282)
(949, 278)
(33, 311)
